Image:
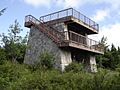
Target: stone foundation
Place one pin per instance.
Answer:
(38, 43)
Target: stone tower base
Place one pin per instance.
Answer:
(39, 42)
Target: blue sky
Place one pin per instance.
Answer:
(105, 12)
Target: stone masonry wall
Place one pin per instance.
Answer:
(38, 43)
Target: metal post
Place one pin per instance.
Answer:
(67, 12)
(84, 19)
(72, 11)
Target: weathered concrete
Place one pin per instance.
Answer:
(65, 59)
(93, 66)
(38, 43)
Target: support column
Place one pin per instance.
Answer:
(65, 59)
(93, 66)
(66, 32)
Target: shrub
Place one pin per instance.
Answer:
(15, 76)
(46, 61)
(74, 67)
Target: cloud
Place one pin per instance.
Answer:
(70, 3)
(111, 7)
(101, 15)
(112, 32)
(57, 3)
(37, 3)
(115, 4)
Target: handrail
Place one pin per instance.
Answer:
(56, 35)
(85, 41)
(71, 12)
(56, 12)
(59, 37)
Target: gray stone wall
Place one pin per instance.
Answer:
(59, 26)
(38, 43)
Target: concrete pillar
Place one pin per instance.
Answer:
(93, 66)
(90, 63)
(66, 32)
(65, 59)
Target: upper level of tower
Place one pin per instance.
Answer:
(68, 29)
(72, 18)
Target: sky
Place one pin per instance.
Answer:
(105, 12)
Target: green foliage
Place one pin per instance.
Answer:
(74, 67)
(111, 57)
(2, 55)
(46, 60)
(14, 76)
(2, 11)
(10, 74)
(13, 44)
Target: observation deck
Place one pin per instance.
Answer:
(75, 39)
(73, 17)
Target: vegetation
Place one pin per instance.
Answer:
(110, 59)
(14, 75)
(74, 67)
(2, 11)
(13, 45)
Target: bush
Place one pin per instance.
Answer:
(15, 76)
(2, 55)
(46, 61)
(74, 67)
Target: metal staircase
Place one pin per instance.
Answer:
(59, 38)
(54, 35)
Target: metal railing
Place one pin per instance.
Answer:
(32, 19)
(60, 37)
(84, 41)
(50, 31)
(71, 12)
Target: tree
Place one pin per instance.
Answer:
(2, 11)
(111, 57)
(100, 58)
(115, 57)
(14, 44)
(103, 43)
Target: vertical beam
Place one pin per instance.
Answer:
(90, 63)
(66, 32)
(93, 66)
(65, 59)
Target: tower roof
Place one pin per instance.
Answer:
(74, 15)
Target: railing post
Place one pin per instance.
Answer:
(67, 13)
(58, 15)
(79, 16)
(50, 17)
(72, 11)
(89, 23)
(97, 27)
(85, 19)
